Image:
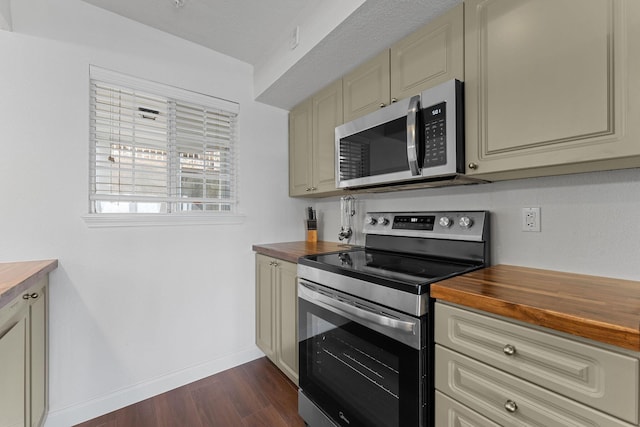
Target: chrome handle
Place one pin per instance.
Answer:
(510, 406)
(394, 100)
(274, 263)
(33, 295)
(335, 305)
(509, 350)
(412, 143)
(382, 105)
(472, 166)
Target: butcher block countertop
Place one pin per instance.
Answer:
(599, 308)
(17, 277)
(291, 251)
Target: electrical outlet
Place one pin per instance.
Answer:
(530, 219)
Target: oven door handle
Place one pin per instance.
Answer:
(338, 307)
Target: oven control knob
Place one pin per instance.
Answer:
(445, 222)
(465, 222)
(383, 221)
(370, 220)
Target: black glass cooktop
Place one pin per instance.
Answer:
(400, 271)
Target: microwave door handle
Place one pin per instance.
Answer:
(412, 141)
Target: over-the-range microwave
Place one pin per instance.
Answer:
(416, 139)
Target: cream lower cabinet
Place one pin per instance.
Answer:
(23, 359)
(277, 314)
(551, 87)
(490, 371)
(425, 58)
(312, 143)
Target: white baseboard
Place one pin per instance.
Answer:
(93, 408)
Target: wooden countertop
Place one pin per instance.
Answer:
(17, 277)
(598, 308)
(291, 251)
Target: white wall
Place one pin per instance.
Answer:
(5, 15)
(134, 311)
(590, 222)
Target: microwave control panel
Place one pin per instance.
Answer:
(435, 135)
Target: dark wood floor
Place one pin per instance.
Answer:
(250, 395)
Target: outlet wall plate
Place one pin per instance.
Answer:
(531, 219)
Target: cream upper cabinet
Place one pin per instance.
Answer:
(427, 57)
(367, 88)
(551, 86)
(312, 143)
(327, 114)
(300, 149)
(276, 313)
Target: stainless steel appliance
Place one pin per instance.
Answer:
(416, 139)
(365, 327)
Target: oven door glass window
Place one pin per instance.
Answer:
(358, 376)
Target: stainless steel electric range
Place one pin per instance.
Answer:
(365, 318)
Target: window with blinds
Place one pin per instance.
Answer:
(159, 149)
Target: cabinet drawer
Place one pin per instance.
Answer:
(600, 378)
(450, 413)
(489, 391)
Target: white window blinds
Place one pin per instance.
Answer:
(159, 149)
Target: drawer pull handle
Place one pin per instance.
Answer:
(509, 350)
(510, 406)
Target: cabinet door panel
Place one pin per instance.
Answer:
(597, 377)
(327, 114)
(265, 303)
(300, 135)
(288, 320)
(429, 56)
(450, 413)
(557, 84)
(547, 83)
(367, 87)
(490, 391)
(12, 374)
(39, 365)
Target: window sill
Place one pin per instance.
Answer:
(155, 220)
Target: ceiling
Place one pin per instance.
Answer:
(242, 29)
(252, 30)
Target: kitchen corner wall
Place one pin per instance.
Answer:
(590, 222)
(134, 311)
